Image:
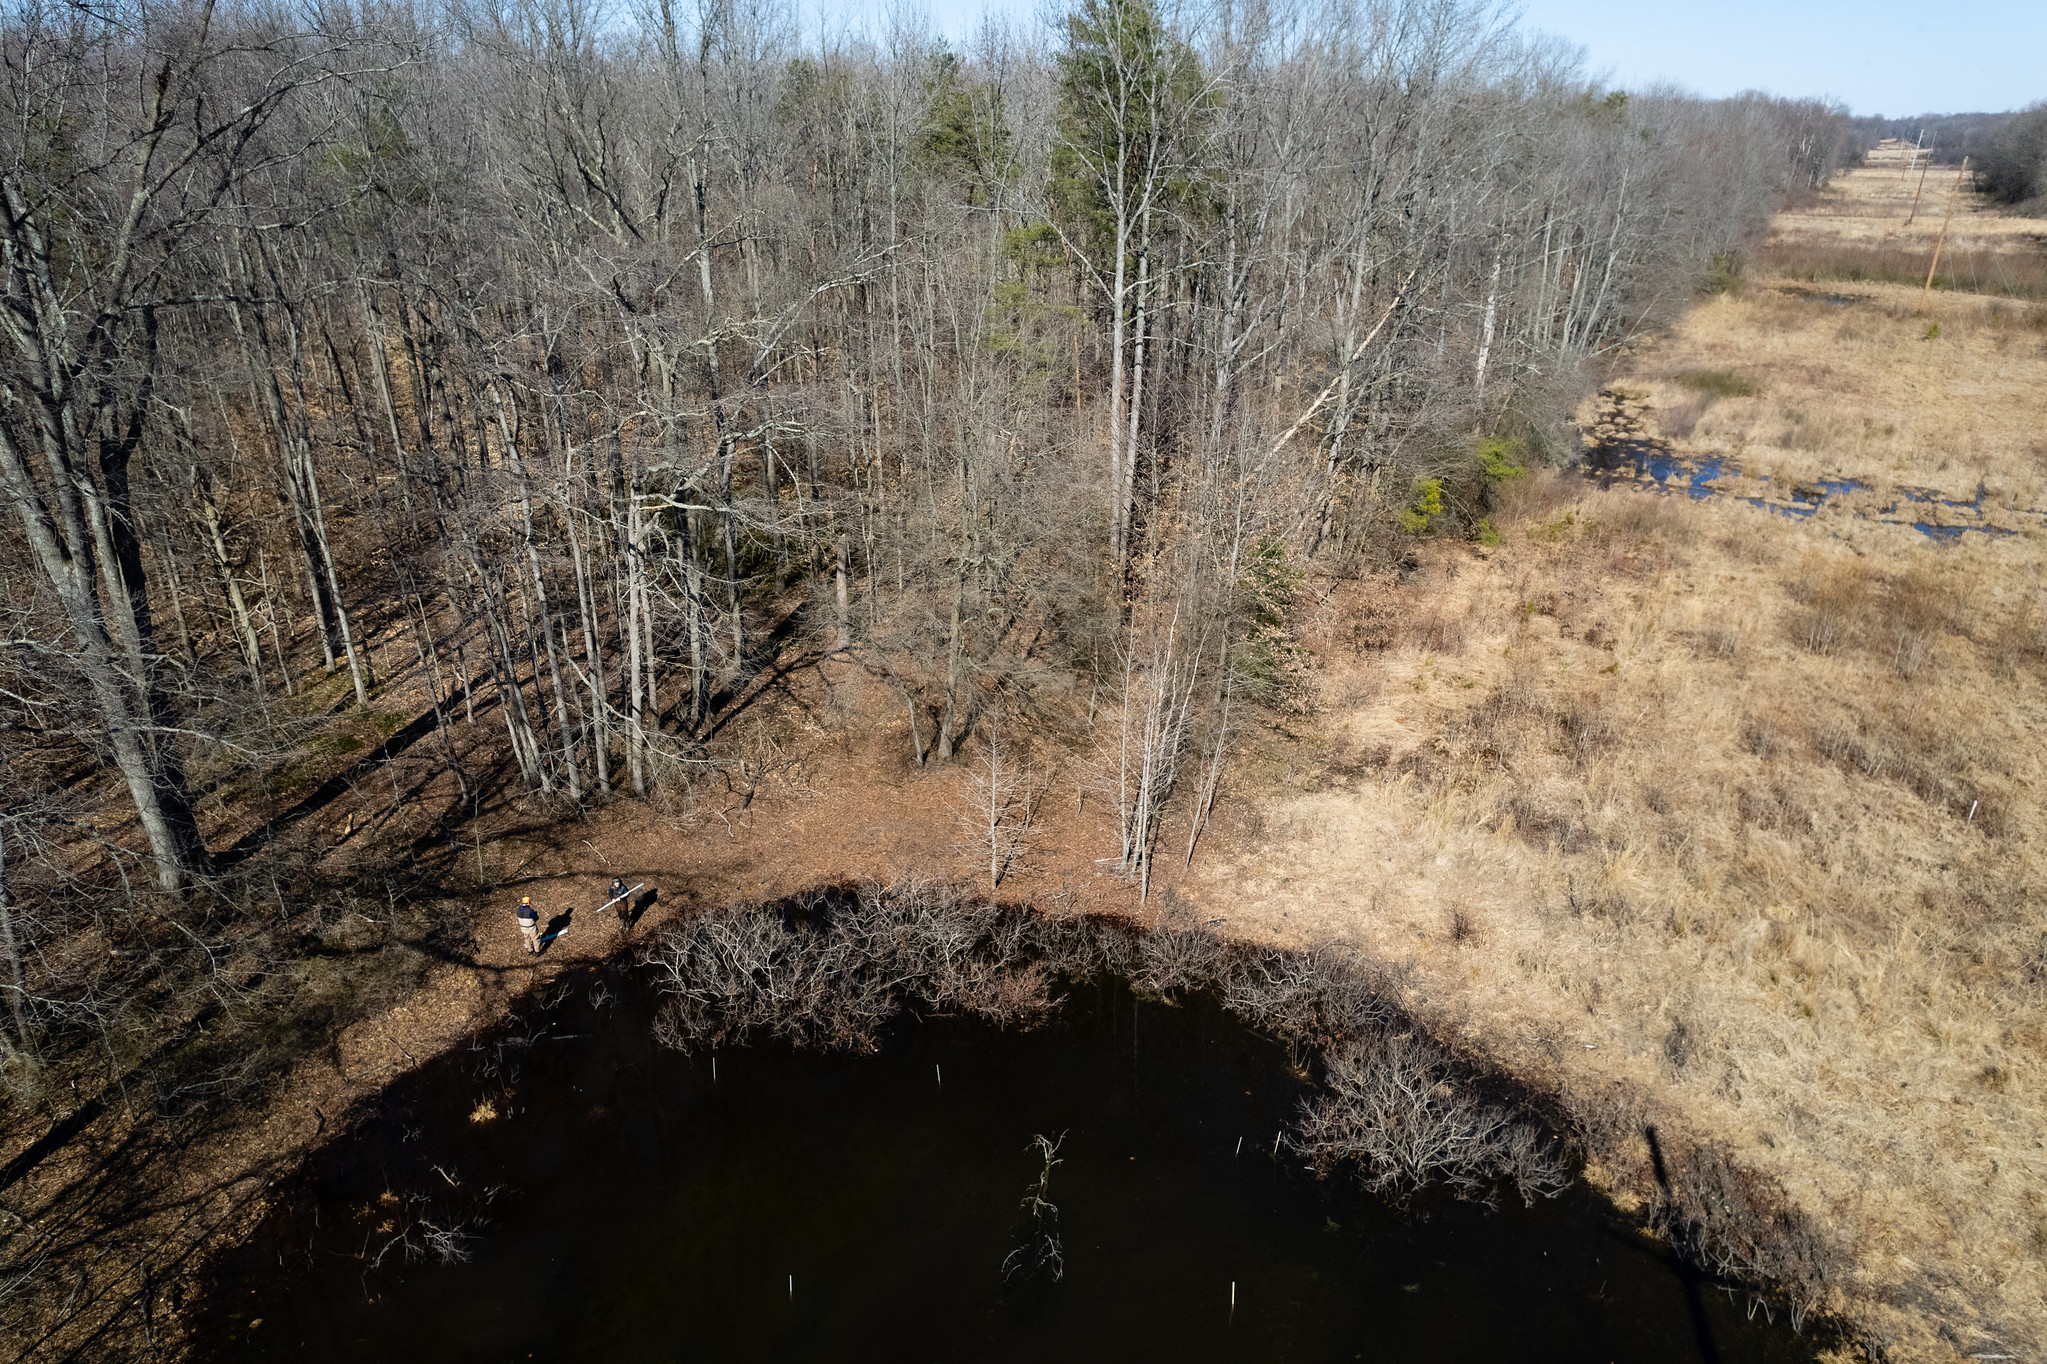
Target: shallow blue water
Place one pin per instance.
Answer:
(1653, 462)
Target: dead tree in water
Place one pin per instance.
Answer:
(1042, 1250)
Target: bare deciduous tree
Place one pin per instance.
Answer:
(1000, 808)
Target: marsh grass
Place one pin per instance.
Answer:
(1747, 806)
(1861, 391)
(1719, 383)
(2005, 274)
(1754, 835)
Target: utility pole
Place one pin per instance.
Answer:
(1920, 190)
(1941, 240)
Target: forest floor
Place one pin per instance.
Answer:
(1712, 793)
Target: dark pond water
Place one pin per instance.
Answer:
(804, 1206)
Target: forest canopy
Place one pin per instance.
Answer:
(569, 362)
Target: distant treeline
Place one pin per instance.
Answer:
(1950, 136)
(2008, 150)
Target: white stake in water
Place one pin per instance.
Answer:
(1240, 1146)
(714, 1070)
(792, 1288)
(1233, 1301)
(941, 1076)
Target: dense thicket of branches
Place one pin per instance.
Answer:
(557, 357)
(834, 968)
(2012, 165)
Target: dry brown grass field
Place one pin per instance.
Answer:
(1879, 223)
(1727, 817)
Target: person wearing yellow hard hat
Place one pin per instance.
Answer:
(529, 925)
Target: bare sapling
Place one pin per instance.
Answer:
(1001, 806)
(1138, 762)
(1212, 775)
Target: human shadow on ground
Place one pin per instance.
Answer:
(629, 913)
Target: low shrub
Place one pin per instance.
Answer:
(1725, 273)
(831, 970)
(1497, 456)
(1423, 507)
(1720, 383)
(1731, 1222)
(1394, 1110)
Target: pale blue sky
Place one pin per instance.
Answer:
(1878, 56)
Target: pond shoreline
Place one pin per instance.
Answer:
(1160, 963)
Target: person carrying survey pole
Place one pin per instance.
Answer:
(529, 925)
(615, 897)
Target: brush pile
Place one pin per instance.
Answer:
(831, 969)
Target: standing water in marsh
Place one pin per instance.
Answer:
(624, 1204)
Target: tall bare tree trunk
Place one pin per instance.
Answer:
(143, 751)
(245, 628)
(635, 721)
(593, 652)
(17, 981)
